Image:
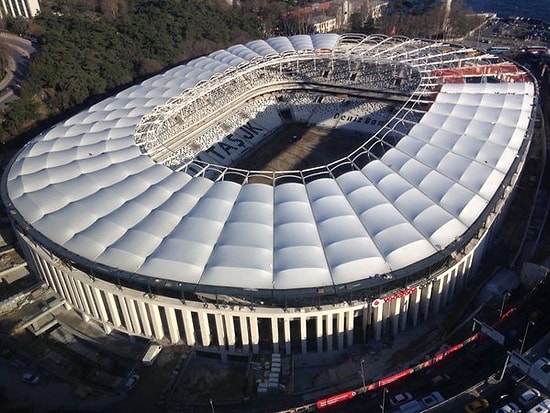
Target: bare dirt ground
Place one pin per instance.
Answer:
(300, 146)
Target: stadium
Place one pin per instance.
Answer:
(295, 194)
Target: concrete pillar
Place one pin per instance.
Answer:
(303, 334)
(113, 310)
(414, 305)
(99, 304)
(287, 335)
(426, 299)
(156, 321)
(65, 289)
(437, 294)
(220, 331)
(319, 331)
(254, 334)
(125, 314)
(330, 333)
(340, 326)
(349, 326)
(244, 333)
(404, 312)
(445, 280)
(188, 327)
(91, 300)
(275, 334)
(136, 325)
(82, 297)
(205, 328)
(145, 319)
(452, 285)
(395, 311)
(378, 319)
(229, 331)
(364, 323)
(172, 322)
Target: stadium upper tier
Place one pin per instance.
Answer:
(89, 191)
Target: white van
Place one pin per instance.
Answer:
(414, 406)
(541, 407)
(151, 354)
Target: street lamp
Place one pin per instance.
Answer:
(504, 297)
(530, 323)
(363, 374)
(383, 405)
(212, 406)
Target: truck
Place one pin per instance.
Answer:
(151, 354)
(416, 406)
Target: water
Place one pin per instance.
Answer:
(538, 9)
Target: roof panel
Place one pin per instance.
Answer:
(87, 186)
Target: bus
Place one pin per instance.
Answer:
(498, 49)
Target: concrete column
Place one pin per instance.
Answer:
(100, 304)
(330, 333)
(319, 331)
(45, 274)
(220, 331)
(172, 322)
(426, 299)
(378, 319)
(414, 305)
(436, 295)
(364, 323)
(91, 300)
(188, 327)
(145, 319)
(156, 321)
(65, 289)
(395, 313)
(244, 333)
(254, 334)
(452, 285)
(13, 11)
(205, 328)
(82, 296)
(404, 312)
(303, 333)
(287, 335)
(125, 314)
(230, 331)
(275, 334)
(340, 326)
(113, 310)
(349, 326)
(134, 316)
(445, 280)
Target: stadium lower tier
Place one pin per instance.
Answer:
(243, 328)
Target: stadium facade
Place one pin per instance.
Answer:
(134, 212)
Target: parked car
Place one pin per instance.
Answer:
(30, 378)
(529, 396)
(131, 382)
(440, 379)
(541, 407)
(400, 398)
(477, 405)
(509, 408)
(432, 399)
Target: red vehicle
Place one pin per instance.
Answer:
(338, 398)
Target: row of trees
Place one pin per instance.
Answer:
(88, 49)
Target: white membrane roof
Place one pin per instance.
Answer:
(86, 186)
